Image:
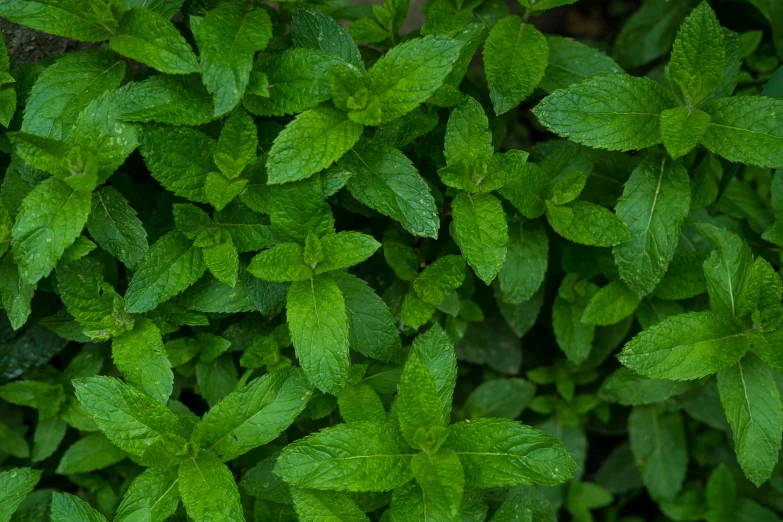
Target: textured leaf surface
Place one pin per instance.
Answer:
(140, 356)
(752, 404)
(617, 112)
(571, 61)
(359, 456)
(66, 508)
(654, 205)
(385, 180)
(526, 262)
(442, 481)
(686, 347)
(15, 485)
(319, 330)
(114, 226)
(630, 389)
(91, 452)
(64, 18)
(587, 224)
(682, 130)
(481, 231)
(658, 445)
(208, 489)
(153, 496)
(498, 452)
(312, 505)
(175, 100)
(312, 29)
(515, 59)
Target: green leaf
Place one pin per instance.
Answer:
(50, 219)
(410, 73)
(372, 328)
(417, 407)
(587, 224)
(48, 435)
(526, 262)
(153, 496)
(499, 398)
(729, 271)
(574, 337)
(70, 508)
(283, 262)
(360, 403)
(179, 158)
(237, 145)
(319, 330)
(684, 278)
(66, 18)
(114, 226)
(468, 138)
(255, 414)
(752, 404)
(140, 356)
(515, 59)
(13, 443)
(617, 112)
(568, 188)
(697, 56)
(46, 398)
(223, 261)
(16, 484)
(501, 452)
(208, 489)
(659, 447)
(227, 38)
(90, 453)
(686, 347)
(66, 88)
(682, 129)
(175, 100)
(297, 80)
(318, 506)
(312, 29)
(721, 495)
(611, 304)
(172, 264)
(147, 37)
(385, 180)
(746, 129)
(310, 143)
(527, 188)
(442, 481)
(571, 61)
(345, 249)
(653, 207)
(131, 419)
(166, 8)
(15, 292)
(440, 279)
(630, 389)
(359, 456)
(481, 231)
(91, 301)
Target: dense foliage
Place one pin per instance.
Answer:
(288, 262)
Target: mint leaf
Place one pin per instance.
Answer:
(131, 419)
(659, 448)
(682, 129)
(385, 180)
(312, 505)
(66, 18)
(359, 456)
(653, 207)
(587, 224)
(345, 249)
(571, 61)
(698, 55)
(686, 347)
(526, 190)
(501, 452)
(66, 508)
(49, 220)
(236, 148)
(44, 397)
(172, 264)
(728, 271)
(312, 29)
(150, 38)
(611, 304)
(481, 231)
(573, 336)
(631, 389)
(746, 129)
(372, 329)
(66, 88)
(440, 279)
(114, 226)
(417, 408)
(254, 415)
(179, 159)
(227, 38)
(284, 262)
(513, 71)
(153, 496)
(175, 100)
(15, 292)
(310, 143)
(617, 112)
(410, 73)
(526, 262)
(684, 278)
(208, 489)
(140, 356)
(16, 484)
(91, 452)
(746, 390)
(468, 139)
(319, 330)
(442, 481)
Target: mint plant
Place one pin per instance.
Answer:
(304, 261)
